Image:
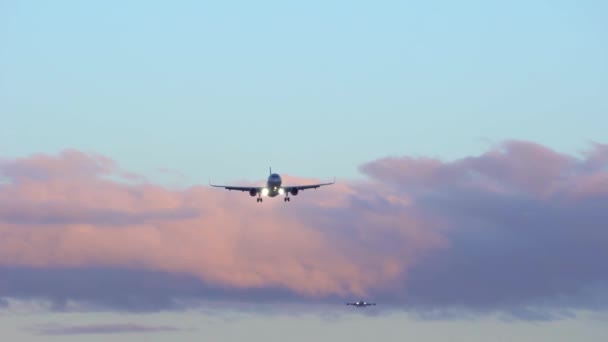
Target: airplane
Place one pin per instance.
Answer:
(361, 304)
(273, 188)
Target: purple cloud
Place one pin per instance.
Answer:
(97, 329)
(524, 228)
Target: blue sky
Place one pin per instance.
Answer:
(222, 90)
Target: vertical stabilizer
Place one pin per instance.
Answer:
(270, 169)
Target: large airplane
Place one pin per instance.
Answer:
(273, 188)
(361, 304)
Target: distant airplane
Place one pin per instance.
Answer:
(361, 304)
(273, 188)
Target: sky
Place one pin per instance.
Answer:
(467, 138)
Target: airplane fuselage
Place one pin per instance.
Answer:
(273, 184)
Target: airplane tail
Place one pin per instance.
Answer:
(270, 168)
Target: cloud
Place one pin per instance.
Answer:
(524, 228)
(221, 238)
(69, 164)
(518, 227)
(55, 329)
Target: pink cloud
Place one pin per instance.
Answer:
(223, 238)
(69, 164)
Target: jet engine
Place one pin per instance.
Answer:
(253, 192)
(294, 191)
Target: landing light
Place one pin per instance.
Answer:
(281, 191)
(264, 192)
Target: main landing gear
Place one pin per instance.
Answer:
(259, 199)
(286, 199)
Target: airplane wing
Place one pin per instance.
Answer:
(238, 188)
(304, 187)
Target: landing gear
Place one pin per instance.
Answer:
(286, 199)
(259, 199)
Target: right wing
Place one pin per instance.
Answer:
(288, 188)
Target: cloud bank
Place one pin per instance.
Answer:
(520, 225)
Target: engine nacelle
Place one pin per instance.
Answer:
(294, 191)
(253, 192)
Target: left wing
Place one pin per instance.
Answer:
(250, 189)
(304, 187)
